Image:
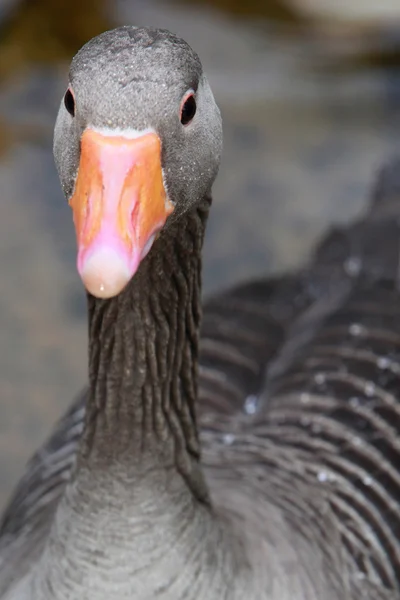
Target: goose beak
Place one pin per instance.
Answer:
(119, 204)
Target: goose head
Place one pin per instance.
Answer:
(137, 144)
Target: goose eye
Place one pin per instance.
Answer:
(188, 109)
(69, 102)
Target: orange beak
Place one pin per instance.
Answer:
(119, 205)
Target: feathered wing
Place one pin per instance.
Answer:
(26, 521)
(333, 391)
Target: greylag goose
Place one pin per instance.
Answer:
(293, 401)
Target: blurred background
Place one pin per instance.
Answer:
(310, 95)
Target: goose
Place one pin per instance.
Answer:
(257, 460)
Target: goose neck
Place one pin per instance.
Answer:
(143, 358)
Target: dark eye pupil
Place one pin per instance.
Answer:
(188, 110)
(69, 102)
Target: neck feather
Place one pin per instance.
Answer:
(143, 356)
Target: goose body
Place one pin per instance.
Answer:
(259, 460)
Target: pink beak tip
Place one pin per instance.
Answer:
(105, 272)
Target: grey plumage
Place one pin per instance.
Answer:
(297, 406)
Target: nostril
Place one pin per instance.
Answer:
(134, 216)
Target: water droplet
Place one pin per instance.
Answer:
(228, 439)
(352, 266)
(356, 329)
(304, 398)
(322, 476)
(369, 389)
(360, 575)
(319, 378)
(383, 362)
(367, 480)
(251, 405)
